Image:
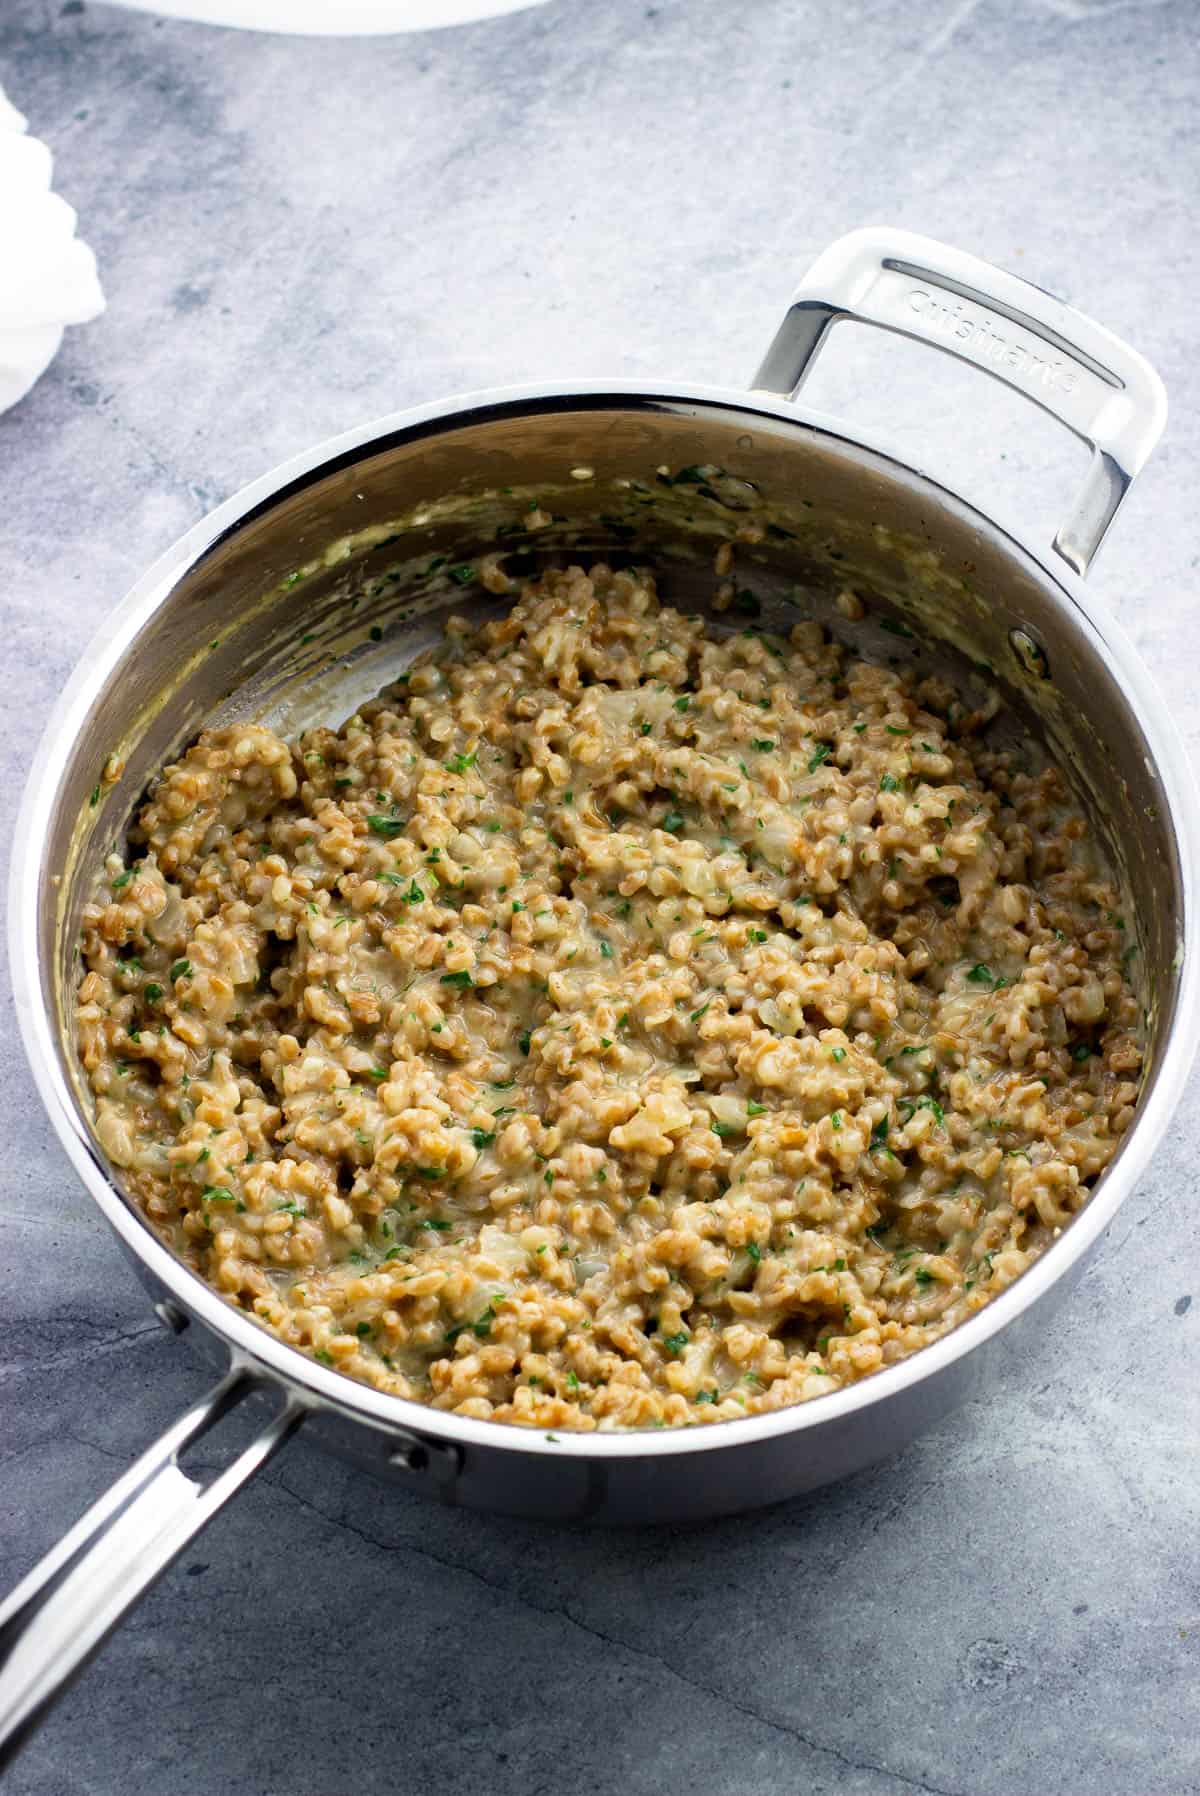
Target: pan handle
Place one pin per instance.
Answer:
(1085, 377)
(59, 1615)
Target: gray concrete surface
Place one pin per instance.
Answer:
(295, 235)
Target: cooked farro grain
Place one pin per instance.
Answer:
(611, 1025)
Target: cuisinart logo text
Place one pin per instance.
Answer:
(956, 321)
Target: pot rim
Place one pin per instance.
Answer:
(286, 1366)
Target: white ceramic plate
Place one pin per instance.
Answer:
(331, 18)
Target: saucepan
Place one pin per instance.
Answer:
(304, 594)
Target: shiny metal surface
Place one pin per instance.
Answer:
(266, 610)
(59, 1614)
(1085, 377)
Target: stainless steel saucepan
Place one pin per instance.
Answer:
(304, 594)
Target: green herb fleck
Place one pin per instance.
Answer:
(481, 1328)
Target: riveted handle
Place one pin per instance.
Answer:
(1085, 377)
(60, 1613)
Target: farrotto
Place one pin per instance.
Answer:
(617, 1023)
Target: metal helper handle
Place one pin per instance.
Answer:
(59, 1615)
(1085, 377)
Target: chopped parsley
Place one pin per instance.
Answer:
(981, 974)
(912, 1105)
(481, 1328)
